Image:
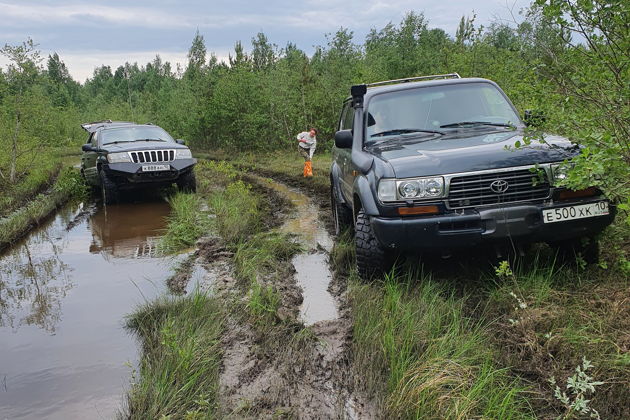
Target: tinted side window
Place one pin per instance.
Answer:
(92, 139)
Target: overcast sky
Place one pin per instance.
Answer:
(87, 34)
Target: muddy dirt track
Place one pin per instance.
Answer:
(300, 379)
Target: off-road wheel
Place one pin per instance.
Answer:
(372, 259)
(109, 190)
(342, 216)
(187, 183)
(573, 250)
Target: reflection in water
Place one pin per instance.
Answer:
(64, 292)
(32, 284)
(128, 230)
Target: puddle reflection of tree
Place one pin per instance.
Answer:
(32, 285)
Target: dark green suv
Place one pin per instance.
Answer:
(122, 156)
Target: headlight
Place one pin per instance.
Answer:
(434, 187)
(387, 190)
(183, 154)
(118, 157)
(410, 189)
(560, 171)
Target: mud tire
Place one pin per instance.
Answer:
(342, 216)
(372, 259)
(109, 190)
(187, 183)
(569, 251)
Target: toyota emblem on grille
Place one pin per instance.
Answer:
(499, 186)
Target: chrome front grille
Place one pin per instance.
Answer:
(475, 189)
(151, 156)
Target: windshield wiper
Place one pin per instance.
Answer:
(473, 123)
(399, 131)
(118, 141)
(149, 140)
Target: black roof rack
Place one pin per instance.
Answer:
(413, 79)
(93, 126)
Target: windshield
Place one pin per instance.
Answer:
(134, 133)
(438, 109)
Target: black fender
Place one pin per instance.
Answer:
(335, 173)
(364, 197)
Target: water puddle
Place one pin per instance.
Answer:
(64, 292)
(312, 270)
(203, 276)
(313, 275)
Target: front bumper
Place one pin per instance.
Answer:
(130, 175)
(521, 223)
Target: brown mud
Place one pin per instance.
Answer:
(298, 367)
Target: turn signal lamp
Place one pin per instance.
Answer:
(418, 210)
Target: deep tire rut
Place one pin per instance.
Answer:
(289, 370)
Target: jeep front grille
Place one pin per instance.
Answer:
(150, 156)
(475, 189)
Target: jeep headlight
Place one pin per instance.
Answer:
(183, 154)
(119, 157)
(410, 189)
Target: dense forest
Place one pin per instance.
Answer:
(567, 62)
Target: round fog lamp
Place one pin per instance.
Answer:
(409, 189)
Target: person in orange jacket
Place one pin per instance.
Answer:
(307, 141)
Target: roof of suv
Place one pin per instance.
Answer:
(98, 125)
(371, 90)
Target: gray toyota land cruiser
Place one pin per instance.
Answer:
(122, 155)
(428, 164)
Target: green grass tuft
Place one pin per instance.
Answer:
(263, 254)
(416, 350)
(238, 213)
(186, 223)
(181, 358)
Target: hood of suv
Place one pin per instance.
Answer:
(468, 151)
(141, 145)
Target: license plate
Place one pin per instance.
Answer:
(583, 211)
(153, 168)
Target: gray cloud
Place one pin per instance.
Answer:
(88, 33)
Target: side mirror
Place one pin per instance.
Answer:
(534, 118)
(180, 141)
(343, 139)
(87, 147)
